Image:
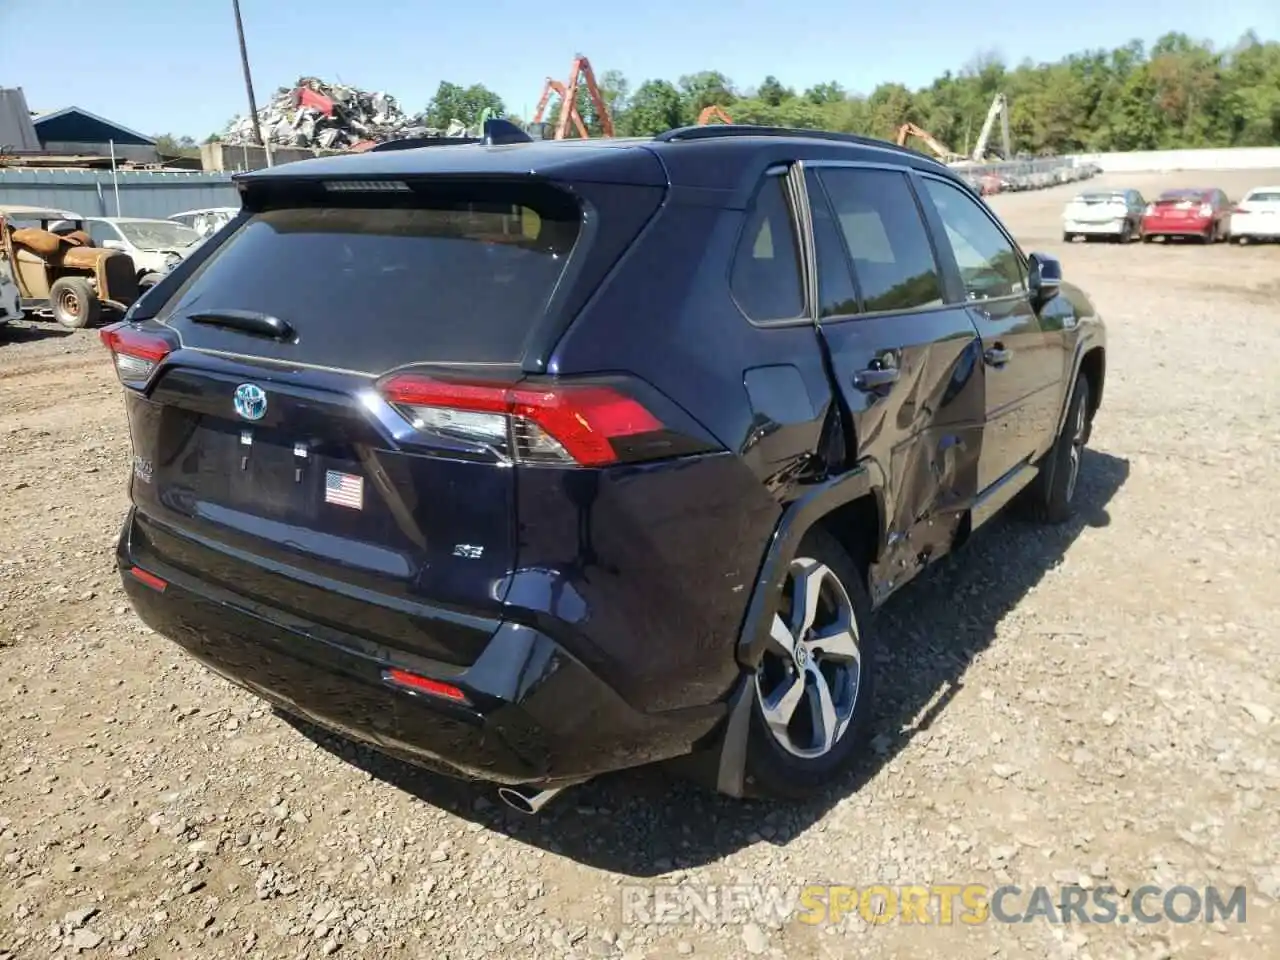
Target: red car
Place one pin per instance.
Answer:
(1204, 213)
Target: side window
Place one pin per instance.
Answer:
(765, 278)
(99, 231)
(836, 295)
(988, 262)
(886, 239)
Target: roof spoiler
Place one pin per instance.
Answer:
(496, 132)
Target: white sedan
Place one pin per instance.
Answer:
(206, 220)
(156, 246)
(1257, 216)
(1116, 214)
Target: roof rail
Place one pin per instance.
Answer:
(713, 131)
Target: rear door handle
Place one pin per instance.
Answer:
(874, 377)
(997, 356)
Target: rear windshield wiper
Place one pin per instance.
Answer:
(246, 321)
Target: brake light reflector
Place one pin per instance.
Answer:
(436, 688)
(150, 579)
(556, 423)
(135, 353)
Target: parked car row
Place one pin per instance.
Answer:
(1029, 175)
(1201, 213)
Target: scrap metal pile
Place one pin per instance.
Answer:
(331, 116)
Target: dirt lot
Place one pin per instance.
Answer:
(1099, 703)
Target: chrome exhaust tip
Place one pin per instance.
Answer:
(527, 801)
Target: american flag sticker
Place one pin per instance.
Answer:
(344, 489)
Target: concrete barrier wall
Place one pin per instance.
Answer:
(235, 157)
(1160, 161)
(91, 193)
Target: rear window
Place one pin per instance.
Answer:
(1263, 196)
(1179, 196)
(373, 281)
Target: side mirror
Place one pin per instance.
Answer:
(1044, 277)
(114, 245)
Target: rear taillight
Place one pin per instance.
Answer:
(1239, 209)
(1206, 209)
(136, 354)
(567, 424)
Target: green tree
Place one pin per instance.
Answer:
(772, 92)
(655, 106)
(705, 89)
(454, 102)
(170, 146)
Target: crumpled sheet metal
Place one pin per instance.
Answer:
(329, 116)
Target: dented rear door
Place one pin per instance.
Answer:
(906, 361)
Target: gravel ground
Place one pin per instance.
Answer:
(1097, 703)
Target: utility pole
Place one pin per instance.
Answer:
(248, 79)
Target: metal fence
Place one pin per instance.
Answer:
(1013, 175)
(96, 193)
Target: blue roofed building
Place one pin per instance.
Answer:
(76, 131)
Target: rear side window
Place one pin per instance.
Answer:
(369, 283)
(886, 239)
(836, 294)
(765, 277)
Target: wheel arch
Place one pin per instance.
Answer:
(851, 505)
(1093, 366)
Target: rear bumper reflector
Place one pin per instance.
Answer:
(150, 579)
(416, 684)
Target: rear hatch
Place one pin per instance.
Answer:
(320, 406)
(1097, 208)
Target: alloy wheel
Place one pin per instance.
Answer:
(809, 678)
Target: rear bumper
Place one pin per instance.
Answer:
(1105, 227)
(534, 715)
(1162, 228)
(1256, 226)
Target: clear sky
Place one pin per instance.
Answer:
(172, 66)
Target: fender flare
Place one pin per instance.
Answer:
(800, 515)
(1083, 346)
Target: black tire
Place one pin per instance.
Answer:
(1148, 237)
(1240, 241)
(772, 770)
(1068, 237)
(1052, 495)
(73, 302)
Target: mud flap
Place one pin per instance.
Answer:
(732, 766)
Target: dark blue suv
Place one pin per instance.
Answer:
(531, 461)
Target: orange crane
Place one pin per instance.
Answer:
(580, 72)
(713, 112)
(945, 154)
